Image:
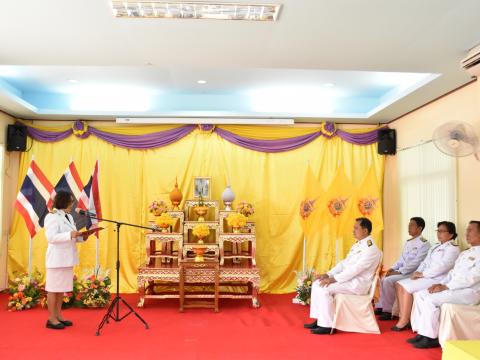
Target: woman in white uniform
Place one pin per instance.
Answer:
(439, 261)
(62, 236)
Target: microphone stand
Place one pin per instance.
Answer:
(113, 311)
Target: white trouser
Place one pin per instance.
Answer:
(387, 291)
(425, 317)
(322, 307)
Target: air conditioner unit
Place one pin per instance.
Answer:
(471, 64)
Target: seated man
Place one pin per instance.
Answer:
(414, 252)
(461, 286)
(353, 275)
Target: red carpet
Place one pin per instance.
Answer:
(237, 332)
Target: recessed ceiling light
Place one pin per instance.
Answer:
(195, 10)
(73, 81)
(202, 82)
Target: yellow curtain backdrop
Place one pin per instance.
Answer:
(131, 179)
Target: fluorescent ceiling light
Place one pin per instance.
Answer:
(195, 10)
(224, 121)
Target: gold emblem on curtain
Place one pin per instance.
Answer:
(337, 206)
(367, 205)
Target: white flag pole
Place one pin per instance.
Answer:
(96, 253)
(30, 257)
(304, 263)
(97, 241)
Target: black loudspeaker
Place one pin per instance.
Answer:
(387, 142)
(16, 138)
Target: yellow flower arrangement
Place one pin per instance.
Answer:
(236, 220)
(165, 220)
(201, 231)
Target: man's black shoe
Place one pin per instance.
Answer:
(385, 316)
(427, 343)
(312, 325)
(322, 331)
(415, 339)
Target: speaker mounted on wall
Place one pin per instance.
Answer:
(387, 141)
(16, 137)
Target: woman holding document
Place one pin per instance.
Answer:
(62, 236)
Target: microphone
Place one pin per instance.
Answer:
(84, 212)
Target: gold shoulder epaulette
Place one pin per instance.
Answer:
(369, 243)
(423, 239)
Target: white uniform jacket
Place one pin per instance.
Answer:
(359, 266)
(62, 249)
(466, 272)
(414, 252)
(440, 260)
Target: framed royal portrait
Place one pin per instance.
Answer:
(201, 187)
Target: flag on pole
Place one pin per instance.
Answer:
(311, 203)
(90, 199)
(368, 201)
(35, 198)
(71, 182)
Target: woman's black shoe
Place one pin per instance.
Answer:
(415, 339)
(406, 327)
(66, 322)
(378, 311)
(58, 326)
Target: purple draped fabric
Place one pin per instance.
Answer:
(163, 138)
(147, 141)
(367, 138)
(270, 146)
(48, 136)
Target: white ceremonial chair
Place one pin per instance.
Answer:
(354, 313)
(459, 322)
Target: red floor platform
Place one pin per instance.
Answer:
(238, 331)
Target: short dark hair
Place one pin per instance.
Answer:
(62, 200)
(475, 222)
(365, 224)
(419, 221)
(452, 229)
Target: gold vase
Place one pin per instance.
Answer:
(176, 196)
(236, 229)
(199, 251)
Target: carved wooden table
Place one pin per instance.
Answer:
(230, 274)
(205, 272)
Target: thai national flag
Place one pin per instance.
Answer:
(90, 199)
(34, 198)
(71, 182)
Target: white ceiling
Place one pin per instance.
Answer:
(58, 40)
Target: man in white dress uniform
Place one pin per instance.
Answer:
(461, 286)
(353, 275)
(414, 252)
